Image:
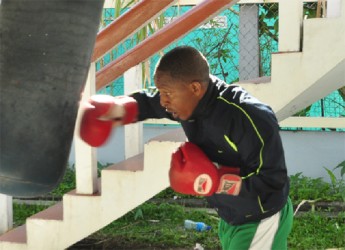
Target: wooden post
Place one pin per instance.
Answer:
(85, 155)
(6, 213)
(290, 25)
(133, 132)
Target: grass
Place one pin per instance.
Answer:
(317, 231)
(160, 225)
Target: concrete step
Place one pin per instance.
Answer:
(124, 186)
(14, 239)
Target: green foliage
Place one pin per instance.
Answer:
(23, 211)
(138, 214)
(317, 231)
(216, 44)
(166, 193)
(303, 112)
(101, 166)
(169, 193)
(67, 184)
(341, 92)
(120, 7)
(338, 185)
(309, 10)
(341, 166)
(307, 188)
(269, 21)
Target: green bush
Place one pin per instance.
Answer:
(307, 188)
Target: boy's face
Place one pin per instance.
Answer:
(177, 97)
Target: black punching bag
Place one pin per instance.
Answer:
(45, 52)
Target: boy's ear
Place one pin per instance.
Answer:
(196, 88)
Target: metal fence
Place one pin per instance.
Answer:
(222, 40)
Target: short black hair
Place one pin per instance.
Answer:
(186, 64)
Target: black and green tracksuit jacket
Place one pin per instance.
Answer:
(235, 129)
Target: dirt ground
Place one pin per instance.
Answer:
(93, 244)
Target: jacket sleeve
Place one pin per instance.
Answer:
(149, 105)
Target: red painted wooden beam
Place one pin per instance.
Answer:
(127, 24)
(161, 39)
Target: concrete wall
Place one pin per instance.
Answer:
(310, 151)
(305, 151)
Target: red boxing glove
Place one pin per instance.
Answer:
(103, 112)
(191, 172)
